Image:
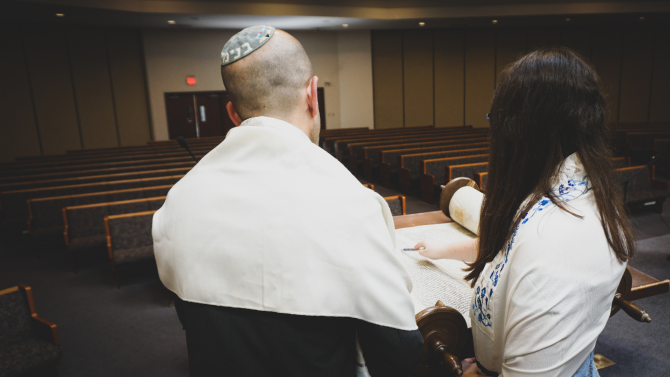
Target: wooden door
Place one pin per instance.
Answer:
(322, 106)
(180, 115)
(226, 122)
(208, 113)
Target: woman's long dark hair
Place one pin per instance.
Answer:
(547, 105)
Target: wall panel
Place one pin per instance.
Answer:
(638, 50)
(578, 39)
(18, 131)
(92, 87)
(606, 59)
(418, 77)
(543, 38)
(479, 75)
(510, 46)
(449, 79)
(129, 90)
(659, 109)
(387, 76)
(51, 82)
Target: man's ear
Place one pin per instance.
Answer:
(312, 96)
(232, 113)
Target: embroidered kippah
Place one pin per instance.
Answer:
(245, 42)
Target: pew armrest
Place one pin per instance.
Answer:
(46, 330)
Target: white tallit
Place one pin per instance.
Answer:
(269, 221)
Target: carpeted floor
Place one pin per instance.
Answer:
(131, 331)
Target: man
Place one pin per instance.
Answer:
(279, 257)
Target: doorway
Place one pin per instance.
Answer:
(204, 114)
(197, 114)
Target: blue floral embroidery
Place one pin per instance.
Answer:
(482, 307)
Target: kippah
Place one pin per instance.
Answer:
(245, 42)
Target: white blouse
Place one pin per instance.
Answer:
(540, 305)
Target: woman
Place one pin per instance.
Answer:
(553, 237)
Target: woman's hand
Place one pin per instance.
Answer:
(465, 251)
(433, 249)
(470, 368)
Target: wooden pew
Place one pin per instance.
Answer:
(76, 170)
(330, 140)
(47, 223)
(87, 161)
(640, 145)
(129, 241)
(410, 164)
(437, 172)
(356, 150)
(30, 343)
(342, 146)
(84, 226)
(14, 207)
(480, 179)
(621, 131)
(621, 162)
(409, 160)
(372, 154)
(396, 204)
(103, 154)
(93, 179)
(364, 157)
(643, 189)
(355, 146)
(187, 163)
(390, 160)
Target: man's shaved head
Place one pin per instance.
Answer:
(269, 81)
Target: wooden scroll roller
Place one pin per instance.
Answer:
(620, 302)
(445, 335)
(461, 200)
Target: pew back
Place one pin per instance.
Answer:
(129, 240)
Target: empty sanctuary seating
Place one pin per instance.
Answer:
(640, 145)
(409, 168)
(129, 241)
(76, 168)
(372, 153)
(84, 225)
(437, 172)
(396, 204)
(94, 178)
(14, 208)
(47, 177)
(342, 147)
(480, 179)
(642, 188)
(46, 221)
(330, 141)
(29, 344)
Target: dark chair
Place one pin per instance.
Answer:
(29, 345)
(396, 204)
(129, 241)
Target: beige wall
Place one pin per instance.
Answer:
(66, 90)
(341, 60)
(632, 63)
(355, 65)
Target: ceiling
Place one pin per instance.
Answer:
(332, 14)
